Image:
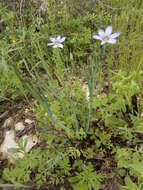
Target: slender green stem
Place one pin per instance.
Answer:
(59, 65)
(90, 87)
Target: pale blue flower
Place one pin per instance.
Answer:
(106, 36)
(57, 42)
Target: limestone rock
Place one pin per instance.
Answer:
(29, 121)
(9, 123)
(19, 126)
(31, 141)
(8, 143)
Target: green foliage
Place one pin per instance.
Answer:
(86, 179)
(67, 111)
(10, 85)
(129, 184)
(131, 160)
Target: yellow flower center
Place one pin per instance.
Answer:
(57, 42)
(106, 39)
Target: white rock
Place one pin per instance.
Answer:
(29, 121)
(8, 143)
(19, 126)
(9, 123)
(31, 141)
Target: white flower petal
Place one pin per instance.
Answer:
(108, 30)
(111, 41)
(55, 46)
(51, 44)
(62, 39)
(97, 37)
(103, 42)
(52, 39)
(115, 35)
(101, 33)
(58, 37)
(60, 45)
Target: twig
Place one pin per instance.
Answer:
(20, 10)
(3, 115)
(103, 5)
(15, 49)
(4, 98)
(12, 185)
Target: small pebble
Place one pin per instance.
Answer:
(19, 126)
(29, 121)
